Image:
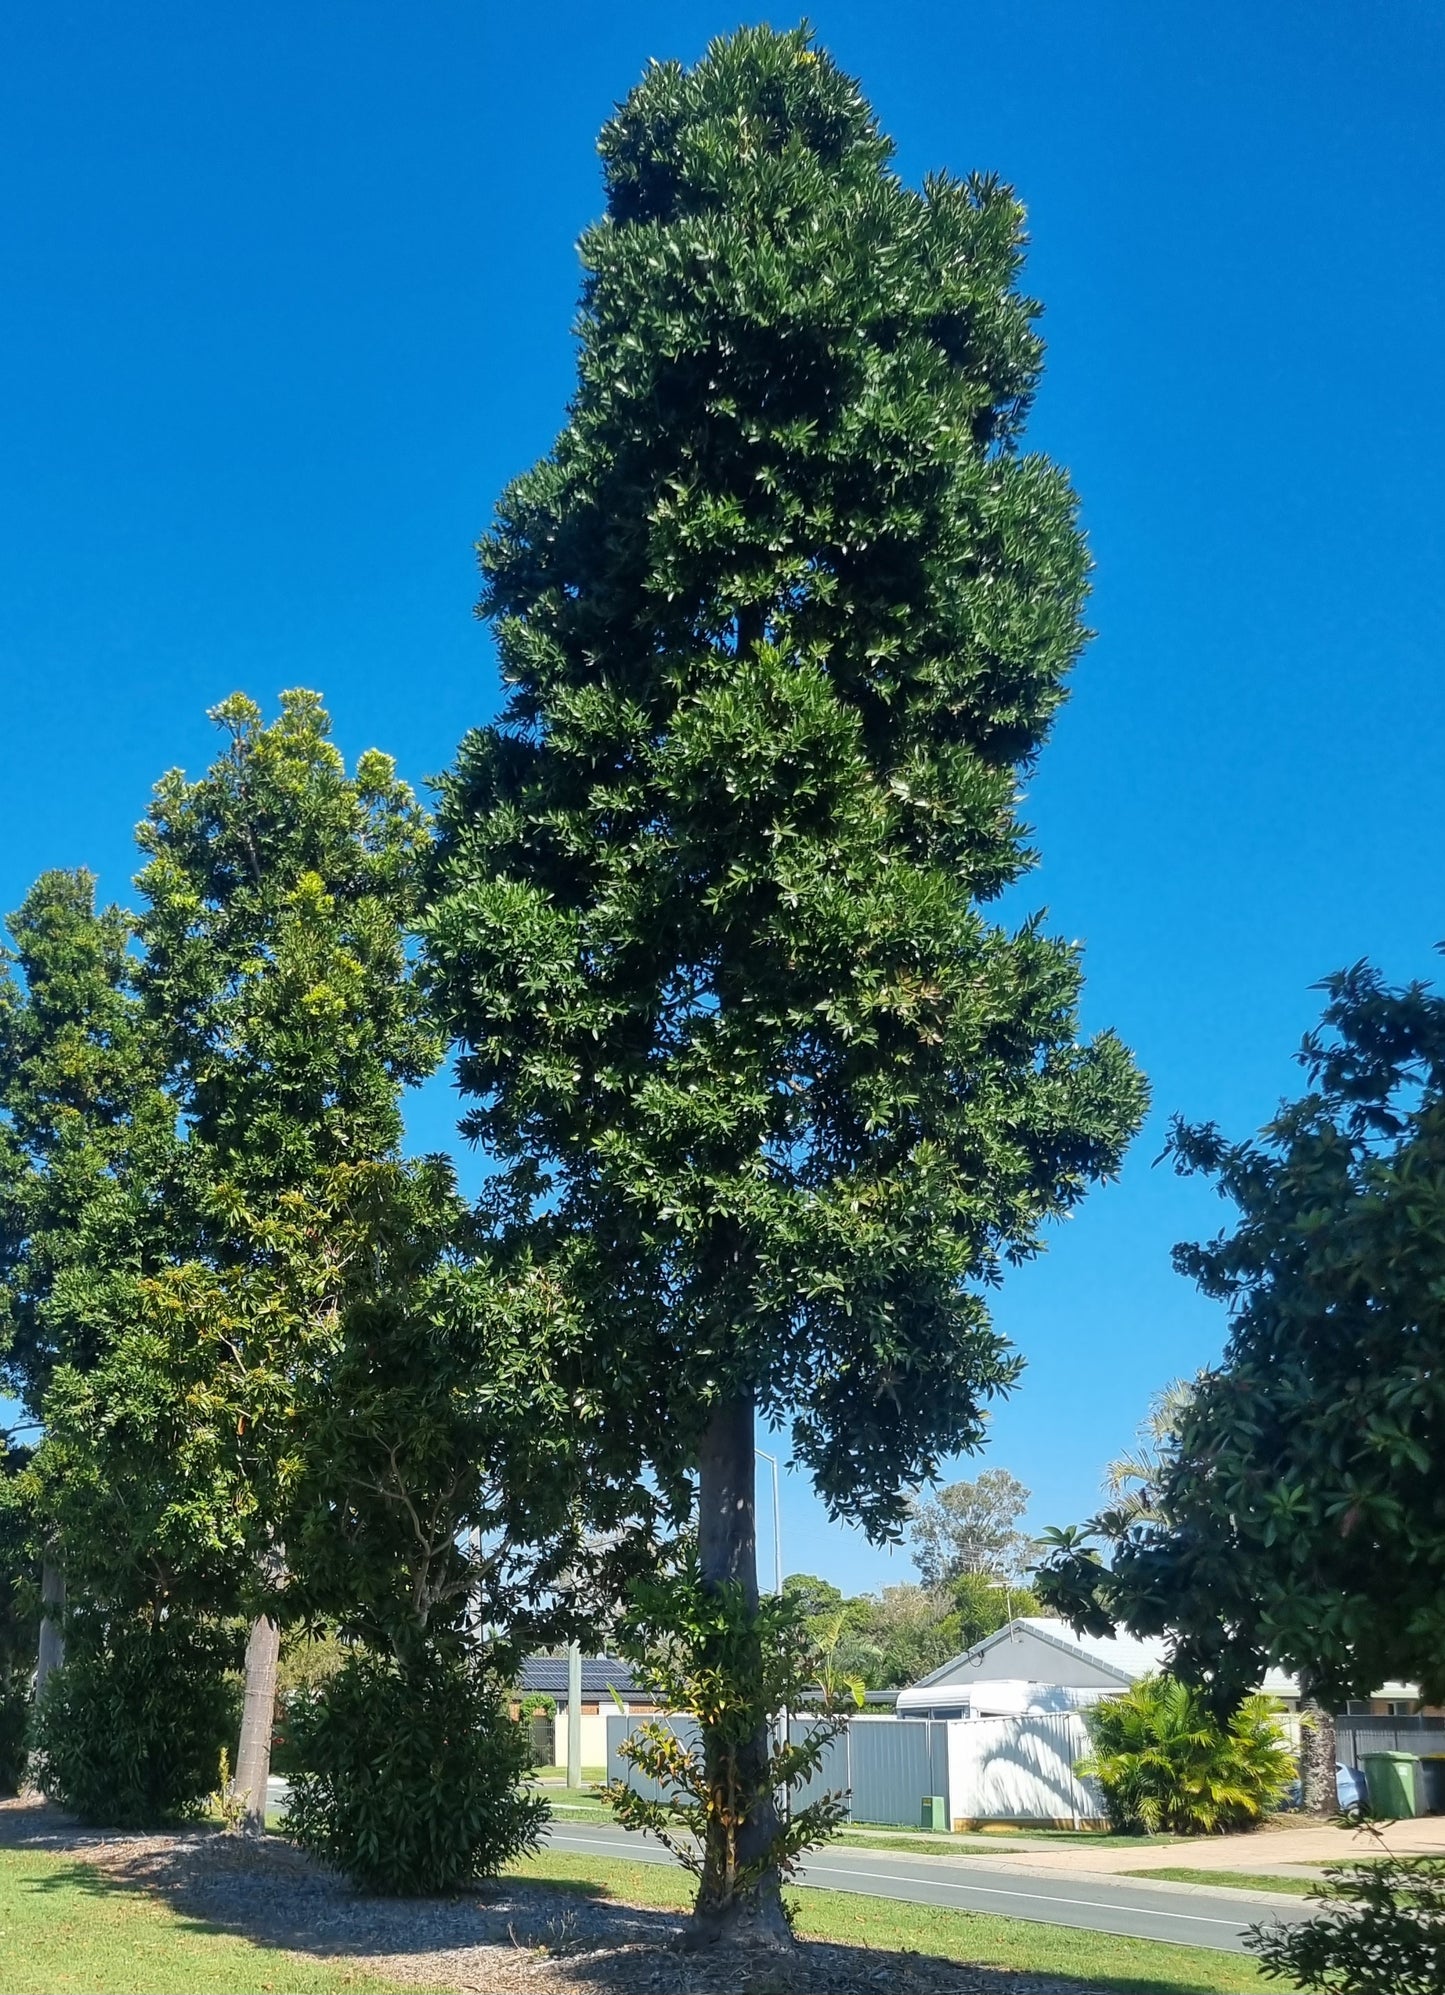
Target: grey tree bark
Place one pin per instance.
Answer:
(728, 1553)
(50, 1654)
(1318, 1793)
(258, 1717)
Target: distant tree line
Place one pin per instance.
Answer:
(972, 1556)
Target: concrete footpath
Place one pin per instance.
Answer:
(1288, 1851)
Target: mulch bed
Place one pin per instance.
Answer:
(509, 1938)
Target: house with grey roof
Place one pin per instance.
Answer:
(1035, 1664)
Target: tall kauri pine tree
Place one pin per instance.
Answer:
(785, 615)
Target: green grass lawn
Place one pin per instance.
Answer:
(1100, 1839)
(1352, 1862)
(927, 1842)
(65, 1929)
(1099, 1960)
(1239, 1880)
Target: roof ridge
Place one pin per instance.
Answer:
(1049, 1629)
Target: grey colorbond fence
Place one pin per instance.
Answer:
(1357, 1735)
(887, 1765)
(618, 1728)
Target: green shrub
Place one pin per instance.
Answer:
(411, 1776)
(14, 1728)
(129, 1732)
(1167, 1762)
(1382, 1934)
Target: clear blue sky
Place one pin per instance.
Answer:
(286, 299)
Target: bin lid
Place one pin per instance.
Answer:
(1399, 1758)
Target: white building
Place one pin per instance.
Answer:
(1035, 1664)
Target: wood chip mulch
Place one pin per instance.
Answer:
(508, 1938)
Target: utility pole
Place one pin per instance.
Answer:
(772, 1460)
(574, 1714)
(785, 1798)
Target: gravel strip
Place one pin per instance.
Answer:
(510, 1938)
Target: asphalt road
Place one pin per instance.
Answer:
(1180, 1917)
(1099, 1905)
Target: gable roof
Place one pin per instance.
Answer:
(1125, 1657)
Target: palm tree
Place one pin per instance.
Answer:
(1167, 1763)
(1132, 1480)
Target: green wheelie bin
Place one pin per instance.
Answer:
(1391, 1778)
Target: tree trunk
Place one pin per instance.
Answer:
(1318, 1793)
(51, 1653)
(258, 1716)
(728, 1554)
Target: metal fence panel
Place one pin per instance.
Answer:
(832, 1775)
(618, 1728)
(542, 1739)
(1367, 1733)
(893, 1764)
(887, 1765)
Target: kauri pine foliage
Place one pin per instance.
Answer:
(87, 1136)
(278, 1005)
(785, 615)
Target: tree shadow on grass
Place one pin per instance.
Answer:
(571, 1933)
(87, 1880)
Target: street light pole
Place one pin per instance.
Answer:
(784, 1732)
(574, 1714)
(763, 1456)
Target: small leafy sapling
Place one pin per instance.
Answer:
(732, 1670)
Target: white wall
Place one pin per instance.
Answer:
(594, 1735)
(997, 1697)
(1020, 1770)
